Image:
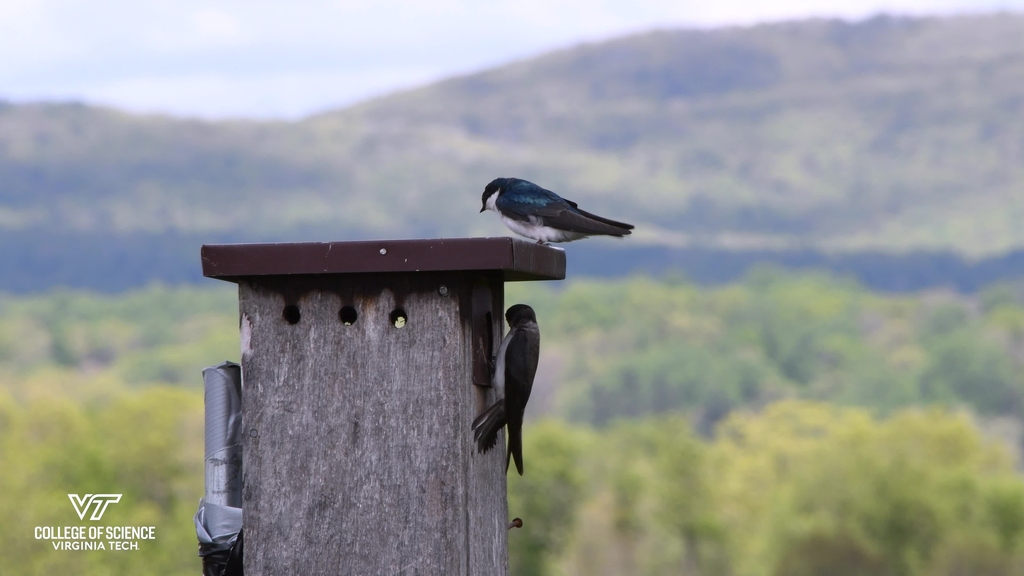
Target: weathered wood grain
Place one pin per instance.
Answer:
(358, 454)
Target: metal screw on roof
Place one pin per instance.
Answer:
(383, 251)
(442, 290)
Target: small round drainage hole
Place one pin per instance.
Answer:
(348, 315)
(291, 314)
(398, 318)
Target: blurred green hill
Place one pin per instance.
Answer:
(892, 134)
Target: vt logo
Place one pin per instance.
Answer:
(98, 502)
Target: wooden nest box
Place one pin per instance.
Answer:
(363, 365)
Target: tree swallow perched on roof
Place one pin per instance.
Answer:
(542, 215)
(515, 367)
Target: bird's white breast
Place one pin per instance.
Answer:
(533, 229)
(492, 202)
(499, 366)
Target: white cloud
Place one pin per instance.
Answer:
(269, 58)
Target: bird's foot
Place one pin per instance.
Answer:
(542, 243)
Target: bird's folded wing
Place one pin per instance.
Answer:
(520, 369)
(579, 221)
(525, 201)
(608, 221)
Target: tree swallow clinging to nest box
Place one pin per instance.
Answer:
(542, 215)
(515, 367)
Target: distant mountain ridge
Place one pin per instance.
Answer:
(890, 134)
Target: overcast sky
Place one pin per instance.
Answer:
(275, 59)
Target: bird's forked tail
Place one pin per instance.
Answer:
(487, 425)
